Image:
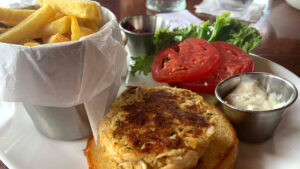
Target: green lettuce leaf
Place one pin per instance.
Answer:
(222, 22)
(142, 64)
(239, 34)
(204, 30)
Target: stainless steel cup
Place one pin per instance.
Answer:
(256, 126)
(141, 43)
(60, 123)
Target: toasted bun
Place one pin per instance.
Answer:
(163, 127)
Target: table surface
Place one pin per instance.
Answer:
(279, 27)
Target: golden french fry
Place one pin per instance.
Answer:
(75, 29)
(28, 26)
(13, 17)
(28, 40)
(91, 25)
(79, 8)
(58, 38)
(94, 24)
(78, 31)
(85, 31)
(61, 26)
(2, 30)
(58, 15)
(31, 44)
(99, 23)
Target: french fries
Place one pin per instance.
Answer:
(85, 31)
(79, 8)
(61, 26)
(78, 31)
(31, 44)
(29, 26)
(91, 25)
(58, 38)
(13, 17)
(2, 30)
(55, 21)
(75, 29)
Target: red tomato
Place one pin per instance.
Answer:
(233, 61)
(190, 59)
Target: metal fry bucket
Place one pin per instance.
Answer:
(60, 123)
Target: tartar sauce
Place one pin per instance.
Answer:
(250, 95)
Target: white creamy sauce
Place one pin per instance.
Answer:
(250, 96)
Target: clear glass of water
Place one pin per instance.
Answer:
(234, 4)
(166, 5)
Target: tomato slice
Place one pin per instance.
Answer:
(233, 61)
(190, 59)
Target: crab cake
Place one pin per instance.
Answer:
(161, 127)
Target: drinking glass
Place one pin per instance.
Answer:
(234, 4)
(166, 5)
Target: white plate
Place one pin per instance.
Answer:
(294, 3)
(22, 147)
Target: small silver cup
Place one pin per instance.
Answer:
(60, 123)
(141, 43)
(251, 125)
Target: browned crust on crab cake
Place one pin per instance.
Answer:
(163, 127)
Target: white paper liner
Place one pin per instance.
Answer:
(66, 74)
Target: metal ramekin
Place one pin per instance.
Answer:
(256, 126)
(141, 43)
